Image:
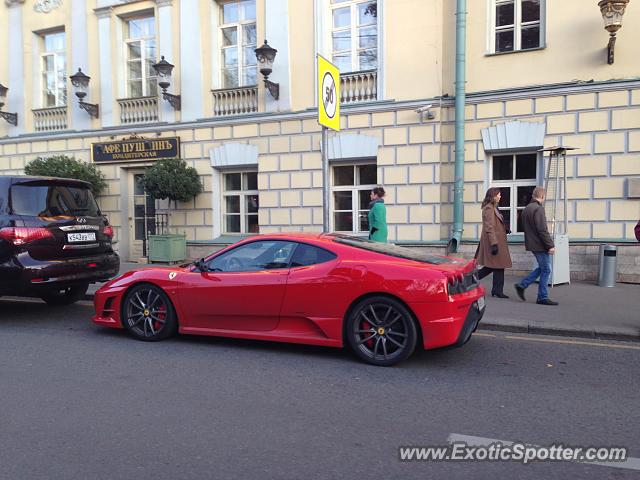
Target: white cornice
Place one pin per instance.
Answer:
(311, 113)
(103, 12)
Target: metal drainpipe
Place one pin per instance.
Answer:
(461, 34)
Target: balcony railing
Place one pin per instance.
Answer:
(138, 110)
(235, 101)
(50, 119)
(358, 87)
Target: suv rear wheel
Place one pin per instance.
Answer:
(66, 296)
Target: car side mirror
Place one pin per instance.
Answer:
(201, 265)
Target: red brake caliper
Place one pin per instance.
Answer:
(161, 313)
(364, 325)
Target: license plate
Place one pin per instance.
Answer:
(81, 237)
(481, 303)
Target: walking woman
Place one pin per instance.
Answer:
(493, 251)
(377, 216)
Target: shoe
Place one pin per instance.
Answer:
(520, 292)
(546, 301)
(499, 295)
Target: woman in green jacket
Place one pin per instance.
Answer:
(377, 216)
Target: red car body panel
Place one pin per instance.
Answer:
(301, 304)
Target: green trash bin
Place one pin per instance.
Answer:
(167, 248)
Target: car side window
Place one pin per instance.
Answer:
(306, 255)
(254, 257)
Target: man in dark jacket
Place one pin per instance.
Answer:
(538, 241)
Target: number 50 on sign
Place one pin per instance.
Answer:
(328, 94)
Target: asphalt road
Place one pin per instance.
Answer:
(81, 402)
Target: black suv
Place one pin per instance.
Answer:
(54, 240)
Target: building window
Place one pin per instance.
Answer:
(516, 176)
(351, 187)
(238, 43)
(516, 25)
(54, 70)
(354, 35)
(141, 55)
(240, 202)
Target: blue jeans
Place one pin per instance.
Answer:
(543, 271)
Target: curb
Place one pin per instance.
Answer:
(562, 331)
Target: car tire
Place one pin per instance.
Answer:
(66, 296)
(381, 331)
(148, 314)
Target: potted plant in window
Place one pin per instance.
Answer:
(170, 178)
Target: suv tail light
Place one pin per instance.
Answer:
(108, 231)
(24, 235)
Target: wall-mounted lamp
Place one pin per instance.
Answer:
(266, 55)
(163, 70)
(12, 118)
(80, 82)
(612, 12)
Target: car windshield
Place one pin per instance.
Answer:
(53, 200)
(392, 250)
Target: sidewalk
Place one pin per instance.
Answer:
(585, 309)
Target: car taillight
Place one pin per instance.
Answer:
(24, 235)
(108, 231)
(455, 283)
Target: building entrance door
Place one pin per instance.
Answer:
(143, 222)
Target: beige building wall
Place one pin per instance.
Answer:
(413, 37)
(416, 153)
(303, 55)
(604, 126)
(575, 48)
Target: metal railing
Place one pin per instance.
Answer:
(49, 119)
(138, 110)
(358, 86)
(154, 224)
(235, 101)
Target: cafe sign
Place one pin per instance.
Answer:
(136, 149)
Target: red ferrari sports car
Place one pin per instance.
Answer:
(322, 289)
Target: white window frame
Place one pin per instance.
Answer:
(239, 45)
(514, 184)
(517, 26)
(244, 215)
(59, 86)
(323, 42)
(353, 27)
(149, 82)
(355, 197)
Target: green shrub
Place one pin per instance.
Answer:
(67, 167)
(171, 178)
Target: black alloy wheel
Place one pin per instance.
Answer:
(66, 296)
(381, 331)
(147, 313)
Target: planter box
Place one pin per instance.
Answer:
(167, 248)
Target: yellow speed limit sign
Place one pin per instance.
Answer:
(328, 94)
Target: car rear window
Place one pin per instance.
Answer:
(392, 250)
(53, 200)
